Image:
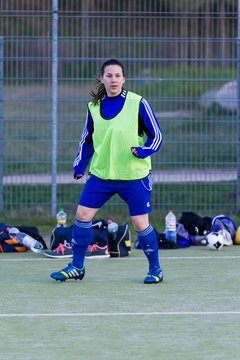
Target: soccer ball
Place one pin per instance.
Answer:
(237, 236)
(215, 241)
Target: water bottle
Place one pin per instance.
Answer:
(61, 218)
(112, 228)
(171, 226)
(26, 240)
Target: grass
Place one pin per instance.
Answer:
(193, 314)
(193, 138)
(208, 199)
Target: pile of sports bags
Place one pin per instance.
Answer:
(119, 245)
(193, 229)
(8, 244)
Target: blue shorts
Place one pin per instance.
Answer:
(136, 193)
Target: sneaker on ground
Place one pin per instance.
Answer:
(154, 276)
(97, 252)
(62, 251)
(70, 272)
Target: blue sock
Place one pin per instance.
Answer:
(81, 239)
(148, 241)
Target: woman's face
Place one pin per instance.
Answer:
(113, 80)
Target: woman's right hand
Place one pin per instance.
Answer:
(78, 176)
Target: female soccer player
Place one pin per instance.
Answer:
(113, 143)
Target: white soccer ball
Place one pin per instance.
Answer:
(215, 241)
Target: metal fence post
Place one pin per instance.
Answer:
(1, 123)
(54, 103)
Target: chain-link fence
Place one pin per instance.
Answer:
(180, 55)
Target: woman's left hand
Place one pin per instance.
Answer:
(134, 151)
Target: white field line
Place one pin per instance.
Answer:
(226, 257)
(121, 314)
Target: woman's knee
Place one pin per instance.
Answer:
(84, 213)
(140, 222)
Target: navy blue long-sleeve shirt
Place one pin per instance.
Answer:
(110, 107)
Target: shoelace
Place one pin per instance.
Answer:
(92, 248)
(61, 248)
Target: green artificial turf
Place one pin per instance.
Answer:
(193, 314)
